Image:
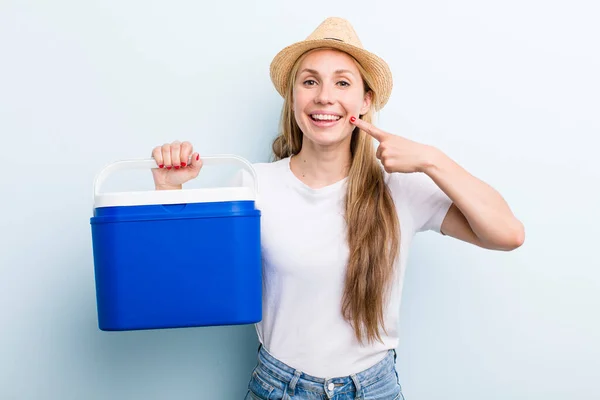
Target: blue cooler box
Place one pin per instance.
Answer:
(176, 258)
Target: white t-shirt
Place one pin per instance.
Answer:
(305, 252)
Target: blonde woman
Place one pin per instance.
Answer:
(339, 211)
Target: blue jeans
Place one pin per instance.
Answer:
(274, 380)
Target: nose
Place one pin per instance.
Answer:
(324, 95)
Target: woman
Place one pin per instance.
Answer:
(338, 217)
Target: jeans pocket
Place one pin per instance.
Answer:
(387, 387)
(258, 388)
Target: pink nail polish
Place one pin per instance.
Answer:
(183, 164)
(352, 119)
(177, 167)
(169, 167)
(197, 157)
(161, 166)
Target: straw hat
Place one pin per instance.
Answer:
(334, 33)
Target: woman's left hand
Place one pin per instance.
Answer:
(397, 154)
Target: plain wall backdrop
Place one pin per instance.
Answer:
(509, 89)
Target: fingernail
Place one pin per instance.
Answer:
(161, 166)
(183, 164)
(197, 157)
(177, 167)
(169, 167)
(352, 119)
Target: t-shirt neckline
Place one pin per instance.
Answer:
(296, 182)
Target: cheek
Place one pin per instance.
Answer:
(352, 107)
(299, 105)
(353, 102)
(300, 100)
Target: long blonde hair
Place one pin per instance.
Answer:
(373, 231)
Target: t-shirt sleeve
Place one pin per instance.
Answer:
(427, 203)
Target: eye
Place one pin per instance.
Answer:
(344, 83)
(310, 82)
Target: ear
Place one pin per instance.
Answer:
(366, 103)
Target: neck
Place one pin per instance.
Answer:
(321, 167)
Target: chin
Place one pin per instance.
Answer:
(323, 140)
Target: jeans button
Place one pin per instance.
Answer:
(330, 386)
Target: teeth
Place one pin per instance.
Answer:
(324, 117)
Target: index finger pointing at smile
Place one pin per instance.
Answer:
(375, 132)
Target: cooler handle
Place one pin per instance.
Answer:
(149, 163)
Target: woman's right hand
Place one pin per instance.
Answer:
(174, 168)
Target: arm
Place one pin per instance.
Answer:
(479, 214)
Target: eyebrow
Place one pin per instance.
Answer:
(337, 72)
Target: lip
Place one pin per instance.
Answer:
(324, 124)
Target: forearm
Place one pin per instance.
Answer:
(487, 213)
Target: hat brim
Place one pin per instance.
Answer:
(284, 61)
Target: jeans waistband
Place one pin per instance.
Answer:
(294, 378)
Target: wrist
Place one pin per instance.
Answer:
(168, 187)
(432, 158)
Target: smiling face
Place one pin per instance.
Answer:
(328, 90)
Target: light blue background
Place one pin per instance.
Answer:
(508, 89)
